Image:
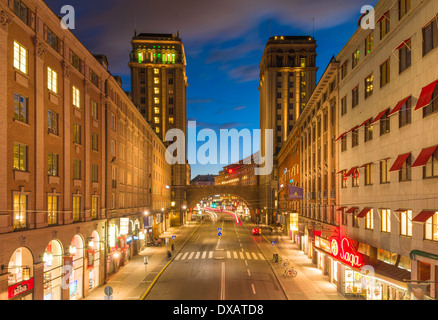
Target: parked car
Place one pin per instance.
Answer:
(255, 231)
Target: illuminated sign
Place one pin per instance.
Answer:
(20, 288)
(124, 225)
(112, 235)
(341, 249)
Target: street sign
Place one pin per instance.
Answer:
(273, 243)
(219, 234)
(108, 290)
(219, 229)
(173, 237)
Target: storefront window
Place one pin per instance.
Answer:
(76, 250)
(52, 271)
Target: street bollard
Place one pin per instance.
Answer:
(173, 246)
(275, 257)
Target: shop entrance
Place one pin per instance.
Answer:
(20, 277)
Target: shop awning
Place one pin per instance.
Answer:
(379, 116)
(424, 215)
(364, 212)
(414, 253)
(424, 156)
(341, 136)
(403, 43)
(352, 209)
(363, 123)
(398, 164)
(352, 129)
(349, 173)
(340, 171)
(383, 16)
(426, 95)
(399, 105)
(341, 208)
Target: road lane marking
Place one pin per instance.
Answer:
(253, 288)
(241, 244)
(241, 255)
(255, 256)
(184, 256)
(246, 262)
(261, 256)
(228, 254)
(223, 282)
(248, 255)
(197, 255)
(235, 254)
(191, 255)
(249, 273)
(204, 254)
(210, 254)
(178, 256)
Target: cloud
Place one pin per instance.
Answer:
(198, 101)
(239, 108)
(244, 73)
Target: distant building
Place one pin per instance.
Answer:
(203, 180)
(239, 173)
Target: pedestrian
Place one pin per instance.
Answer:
(169, 255)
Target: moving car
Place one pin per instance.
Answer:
(255, 231)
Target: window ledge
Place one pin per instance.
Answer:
(21, 175)
(21, 122)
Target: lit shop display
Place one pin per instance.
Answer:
(20, 277)
(93, 261)
(52, 277)
(75, 280)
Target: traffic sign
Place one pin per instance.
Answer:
(273, 243)
(219, 234)
(219, 229)
(173, 237)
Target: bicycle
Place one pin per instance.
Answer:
(290, 272)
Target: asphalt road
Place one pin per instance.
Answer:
(212, 267)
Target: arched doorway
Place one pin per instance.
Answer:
(76, 251)
(93, 260)
(20, 277)
(52, 279)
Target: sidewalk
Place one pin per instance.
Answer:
(133, 279)
(310, 283)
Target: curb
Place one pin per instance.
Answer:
(164, 268)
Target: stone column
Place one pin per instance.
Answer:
(4, 286)
(67, 141)
(38, 280)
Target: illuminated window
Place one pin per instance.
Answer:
(170, 120)
(369, 223)
(406, 223)
(156, 71)
(20, 57)
(157, 90)
(386, 220)
(369, 43)
(431, 228)
(369, 174)
(157, 129)
(52, 210)
(369, 86)
(53, 164)
(156, 120)
(76, 208)
(303, 62)
(384, 171)
(20, 211)
(76, 133)
(157, 110)
(140, 57)
(94, 206)
(20, 108)
(20, 157)
(52, 80)
(384, 25)
(156, 80)
(157, 100)
(355, 58)
(76, 97)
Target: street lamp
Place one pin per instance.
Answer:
(146, 213)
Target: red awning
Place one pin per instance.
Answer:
(341, 171)
(340, 208)
(399, 105)
(400, 210)
(363, 123)
(352, 209)
(351, 171)
(398, 163)
(426, 95)
(341, 136)
(352, 129)
(364, 212)
(380, 115)
(423, 216)
(402, 44)
(382, 17)
(424, 156)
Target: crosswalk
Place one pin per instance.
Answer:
(198, 255)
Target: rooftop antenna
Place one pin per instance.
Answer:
(313, 34)
(135, 24)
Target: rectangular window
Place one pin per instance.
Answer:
(113, 121)
(171, 120)
(385, 73)
(114, 177)
(384, 26)
(76, 133)
(355, 180)
(355, 97)
(343, 143)
(431, 168)
(94, 207)
(53, 164)
(355, 138)
(156, 80)
(369, 85)
(369, 220)
(170, 100)
(52, 122)
(156, 110)
(368, 131)
(385, 220)
(52, 80)
(76, 97)
(20, 57)
(156, 100)
(344, 70)
(113, 148)
(76, 62)
(405, 171)
(20, 157)
(52, 39)
(52, 210)
(343, 105)
(384, 171)
(21, 11)
(156, 90)
(406, 223)
(355, 59)
(94, 173)
(303, 63)
(156, 120)
(385, 123)
(76, 169)
(431, 228)
(20, 211)
(355, 219)
(95, 141)
(94, 78)
(76, 212)
(432, 107)
(170, 81)
(430, 37)
(404, 116)
(369, 174)
(403, 7)
(404, 54)
(20, 108)
(369, 43)
(94, 110)
(344, 179)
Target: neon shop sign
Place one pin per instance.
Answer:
(342, 250)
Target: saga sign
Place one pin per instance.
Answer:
(342, 249)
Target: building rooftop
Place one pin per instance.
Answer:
(156, 36)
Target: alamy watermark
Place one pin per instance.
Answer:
(368, 18)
